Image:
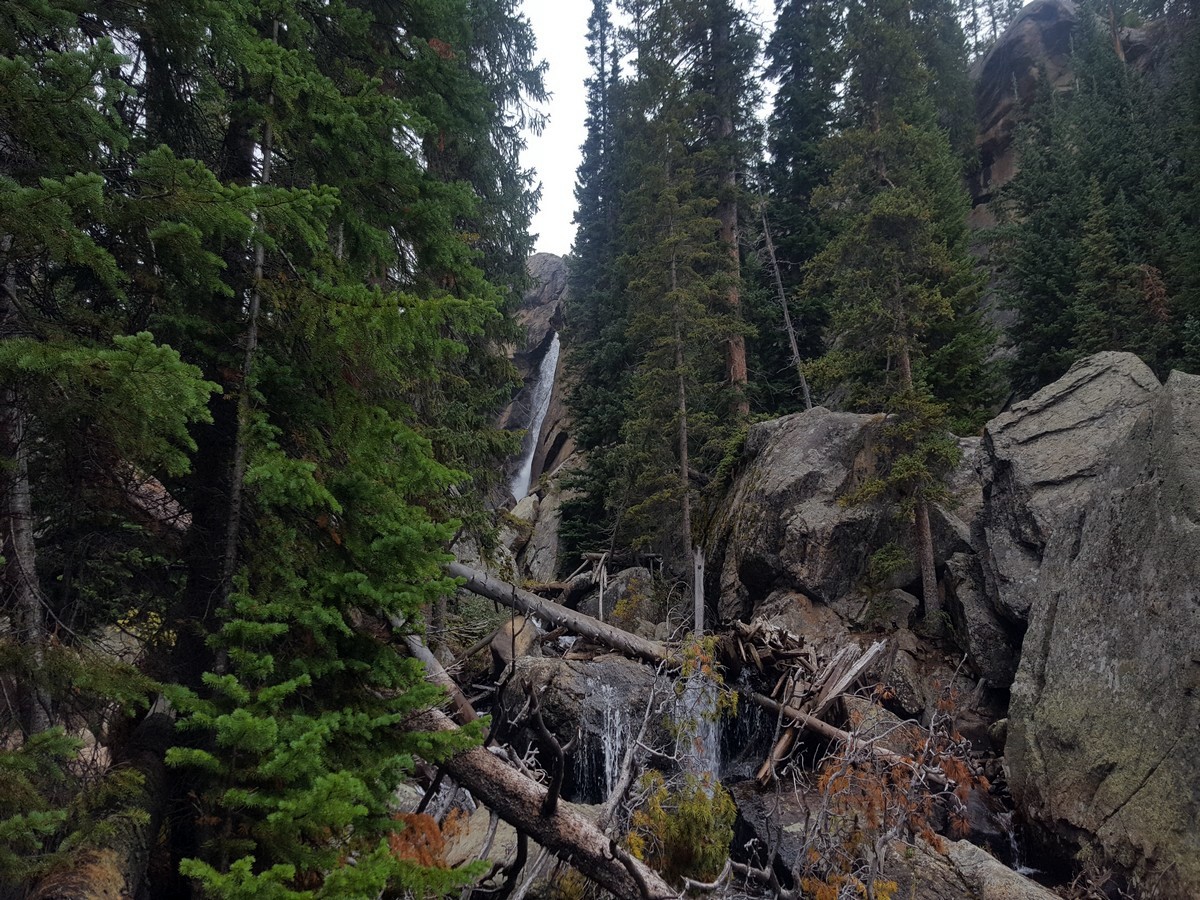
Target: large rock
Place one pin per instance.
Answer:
(541, 309)
(783, 527)
(539, 559)
(1036, 43)
(1042, 460)
(1105, 710)
(605, 699)
(787, 545)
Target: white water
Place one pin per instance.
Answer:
(612, 741)
(539, 405)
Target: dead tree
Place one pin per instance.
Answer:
(565, 833)
(532, 605)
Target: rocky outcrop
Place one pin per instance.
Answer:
(541, 309)
(1106, 705)
(1037, 44)
(539, 559)
(605, 699)
(783, 526)
(1042, 459)
(788, 545)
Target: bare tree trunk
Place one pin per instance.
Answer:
(532, 605)
(565, 833)
(685, 485)
(18, 573)
(735, 360)
(787, 315)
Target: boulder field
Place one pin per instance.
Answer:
(1069, 560)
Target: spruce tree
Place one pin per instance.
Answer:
(897, 273)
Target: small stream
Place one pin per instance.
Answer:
(539, 405)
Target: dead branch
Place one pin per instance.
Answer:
(532, 605)
(565, 833)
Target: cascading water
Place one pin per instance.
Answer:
(598, 761)
(539, 405)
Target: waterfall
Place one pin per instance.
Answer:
(543, 386)
(598, 760)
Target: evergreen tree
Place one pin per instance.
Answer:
(1095, 164)
(267, 496)
(897, 272)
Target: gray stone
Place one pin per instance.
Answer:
(1043, 457)
(628, 598)
(1105, 708)
(990, 643)
(962, 872)
(782, 526)
(540, 558)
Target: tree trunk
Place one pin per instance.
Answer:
(532, 605)
(922, 529)
(568, 835)
(18, 573)
(727, 203)
(685, 485)
(787, 315)
(117, 868)
(233, 522)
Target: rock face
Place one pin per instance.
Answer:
(1042, 461)
(1006, 78)
(605, 699)
(783, 527)
(1080, 522)
(787, 546)
(1036, 43)
(1106, 705)
(541, 309)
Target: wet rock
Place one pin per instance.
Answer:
(541, 556)
(605, 699)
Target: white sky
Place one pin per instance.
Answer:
(561, 29)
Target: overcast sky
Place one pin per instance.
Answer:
(561, 29)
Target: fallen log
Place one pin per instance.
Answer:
(436, 674)
(565, 833)
(824, 729)
(118, 866)
(532, 605)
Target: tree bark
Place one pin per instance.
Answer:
(833, 733)
(532, 605)
(435, 673)
(685, 485)
(568, 835)
(117, 868)
(18, 573)
(923, 531)
(236, 492)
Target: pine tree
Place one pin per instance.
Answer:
(1094, 169)
(259, 198)
(897, 272)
